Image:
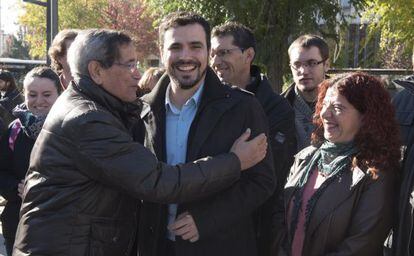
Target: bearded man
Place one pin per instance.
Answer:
(189, 114)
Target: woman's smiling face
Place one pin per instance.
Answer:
(341, 121)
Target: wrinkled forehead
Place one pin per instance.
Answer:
(332, 92)
(225, 41)
(126, 52)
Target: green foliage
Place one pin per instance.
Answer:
(393, 20)
(275, 23)
(72, 14)
(34, 20)
(133, 17)
(19, 49)
(126, 15)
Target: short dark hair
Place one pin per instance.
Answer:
(45, 72)
(101, 45)
(7, 76)
(58, 47)
(307, 41)
(181, 18)
(243, 36)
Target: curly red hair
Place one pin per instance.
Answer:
(378, 137)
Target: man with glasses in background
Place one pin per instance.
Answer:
(233, 48)
(309, 62)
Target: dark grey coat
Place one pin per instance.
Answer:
(225, 220)
(403, 238)
(352, 216)
(282, 136)
(86, 175)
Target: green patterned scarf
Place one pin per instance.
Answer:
(331, 159)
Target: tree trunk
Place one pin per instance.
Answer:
(275, 41)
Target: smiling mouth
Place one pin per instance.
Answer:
(186, 67)
(330, 126)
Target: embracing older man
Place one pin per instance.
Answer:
(86, 171)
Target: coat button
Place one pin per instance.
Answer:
(115, 239)
(151, 229)
(227, 95)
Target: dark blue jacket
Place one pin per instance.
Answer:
(403, 236)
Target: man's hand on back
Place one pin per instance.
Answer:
(250, 152)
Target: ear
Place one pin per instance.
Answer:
(249, 54)
(95, 71)
(326, 65)
(161, 55)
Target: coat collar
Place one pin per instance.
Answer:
(121, 109)
(304, 156)
(11, 93)
(262, 88)
(407, 83)
(290, 94)
(342, 188)
(216, 99)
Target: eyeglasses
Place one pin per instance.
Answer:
(305, 64)
(131, 66)
(222, 53)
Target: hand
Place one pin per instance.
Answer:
(185, 227)
(20, 189)
(250, 152)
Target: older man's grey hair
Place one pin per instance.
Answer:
(101, 45)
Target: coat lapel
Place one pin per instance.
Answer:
(301, 159)
(153, 115)
(334, 195)
(215, 101)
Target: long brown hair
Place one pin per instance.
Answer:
(378, 137)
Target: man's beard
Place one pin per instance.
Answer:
(310, 89)
(182, 82)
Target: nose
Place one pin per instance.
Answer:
(185, 53)
(137, 74)
(40, 99)
(304, 69)
(325, 112)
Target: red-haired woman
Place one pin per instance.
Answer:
(340, 193)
